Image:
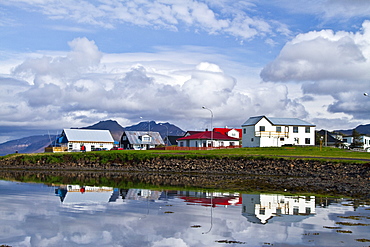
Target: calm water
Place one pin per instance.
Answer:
(70, 215)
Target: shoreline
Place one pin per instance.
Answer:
(301, 176)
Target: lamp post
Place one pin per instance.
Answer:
(211, 123)
(167, 131)
(148, 125)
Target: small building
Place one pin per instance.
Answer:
(328, 138)
(207, 139)
(171, 140)
(141, 140)
(262, 131)
(73, 139)
(236, 133)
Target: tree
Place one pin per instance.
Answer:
(356, 142)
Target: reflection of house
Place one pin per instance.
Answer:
(75, 194)
(261, 208)
(74, 139)
(142, 194)
(265, 131)
(141, 140)
(210, 198)
(207, 139)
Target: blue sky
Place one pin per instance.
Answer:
(73, 63)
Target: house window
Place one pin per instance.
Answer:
(262, 128)
(262, 211)
(232, 144)
(221, 144)
(124, 138)
(252, 140)
(282, 139)
(295, 129)
(181, 144)
(244, 131)
(196, 143)
(307, 141)
(307, 130)
(278, 128)
(146, 138)
(296, 140)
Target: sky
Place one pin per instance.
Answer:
(74, 63)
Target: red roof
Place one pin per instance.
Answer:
(213, 201)
(206, 135)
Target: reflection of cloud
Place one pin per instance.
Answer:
(44, 222)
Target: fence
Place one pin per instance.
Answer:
(194, 148)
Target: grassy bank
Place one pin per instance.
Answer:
(313, 153)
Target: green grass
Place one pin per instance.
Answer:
(323, 154)
(284, 152)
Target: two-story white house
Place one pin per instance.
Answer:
(262, 131)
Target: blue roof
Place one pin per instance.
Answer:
(278, 121)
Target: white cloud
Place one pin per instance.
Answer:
(338, 10)
(228, 17)
(328, 63)
(85, 86)
(323, 55)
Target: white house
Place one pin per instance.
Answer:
(262, 131)
(74, 139)
(364, 139)
(207, 139)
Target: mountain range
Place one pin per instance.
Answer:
(37, 143)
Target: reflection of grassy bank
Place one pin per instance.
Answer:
(168, 181)
(131, 155)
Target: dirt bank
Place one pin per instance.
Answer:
(229, 173)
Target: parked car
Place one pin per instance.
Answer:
(116, 148)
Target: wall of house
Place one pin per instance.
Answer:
(233, 133)
(249, 139)
(76, 146)
(206, 143)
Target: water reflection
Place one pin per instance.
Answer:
(76, 215)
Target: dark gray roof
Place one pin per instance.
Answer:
(278, 121)
(133, 137)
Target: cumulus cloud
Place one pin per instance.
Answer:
(78, 89)
(327, 63)
(322, 55)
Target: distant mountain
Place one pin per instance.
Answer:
(36, 144)
(362, 129)
(31, 144)
(162, 128)
(115, 128)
